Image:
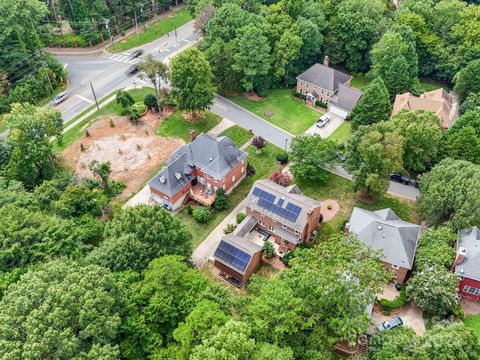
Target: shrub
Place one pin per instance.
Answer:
(150, 101)
(229, 229)
(268, 250)
(221, 200)
(125, 100)
(240, 217)
(87, 133)
(201, 214)
(111, 123)
(299, 95)
(250, 170)
(258, 142)
(320, 104)
(329, 206)
(385, 312)
(115, 188)
(189, 209)
(399, 301)
(287, 257)
(135, 112)
(281, 178)
(82, 147)
(282, 157)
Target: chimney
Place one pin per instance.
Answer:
(346, 229)
(193, 134)
(462, 252)
(326, 60)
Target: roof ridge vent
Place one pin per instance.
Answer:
(379, 227)
(210, 159)
(178, 176)
(162, 179)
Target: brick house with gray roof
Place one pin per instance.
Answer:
(467, 263)
(196, 170)
(383, 230)
(321, 82)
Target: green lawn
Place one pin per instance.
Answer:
(288, 112)
(429, 85)
(342, 134)
(473, 322)
(341, 190)
(154, 31)
(111, 108)
(176, 125)
(264, 164)
(359, 81)
(237, 134)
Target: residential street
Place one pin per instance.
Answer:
(107, 73)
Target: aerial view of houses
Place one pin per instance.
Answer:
(195, 180)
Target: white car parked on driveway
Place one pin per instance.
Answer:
(323, 120)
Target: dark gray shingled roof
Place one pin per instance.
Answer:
(214, 156)
(346, 97)
(290, 194)
(166, 180)
(469, 239)
(383, 230)
(245, 226)
(324, 77)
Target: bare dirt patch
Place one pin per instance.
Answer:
(133, 151)
(253, 96)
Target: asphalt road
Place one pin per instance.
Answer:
(107, 74)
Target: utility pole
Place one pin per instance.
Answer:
(136, 24)
(106, 21)
(94, 96)
(286, 143)
(45, 67)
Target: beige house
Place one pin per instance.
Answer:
(437, 101)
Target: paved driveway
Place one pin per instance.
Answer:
(329, 128)
(411, 315)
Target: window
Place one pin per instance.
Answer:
(243, 169)
(322, 91)
(396, 267)
(270, 227)
(471, 290)
(261, 223)
(296, 232)
(233, 178)
(301, 82)
(284, 226)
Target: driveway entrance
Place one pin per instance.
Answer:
(329, 128)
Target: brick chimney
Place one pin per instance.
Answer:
(326, 60)
(193, 134)
(461, 253)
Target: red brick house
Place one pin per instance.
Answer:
(196, 170)
(321, 82)
(467, 263)
(283, 212)
(237, 258)
(384, 230)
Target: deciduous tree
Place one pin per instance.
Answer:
(191, 80)
(310, 154)
(435, 248)
(467, 80)
(61, 310)
(156, 72)
(397, 344)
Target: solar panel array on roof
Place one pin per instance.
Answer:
(290, 212)
(232, 256)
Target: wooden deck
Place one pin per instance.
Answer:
(199, 194)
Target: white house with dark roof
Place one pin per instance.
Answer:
(196, 170)
(383, 230)
(321, 82)
(467, 263)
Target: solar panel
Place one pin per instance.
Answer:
(278, 210)
(263, 194)
(232, 256)
(280, 202)
(294, 208)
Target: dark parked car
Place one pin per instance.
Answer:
(136, 54)
(132, 70)
(397, 177)
(59, 98)
(390, 324)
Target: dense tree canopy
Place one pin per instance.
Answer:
(61, 310)
(31, 157)
(467, 80)
(449, 194)
(397, 344)
(462, 140)
(435, 248)
(373, 106)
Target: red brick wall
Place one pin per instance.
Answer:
(308, 88)
(469, 282)
(312, 224)
(172, 199)
(400, 273)
(228, 182)
(252, 267)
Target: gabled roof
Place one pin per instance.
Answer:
(346, 97)
(383, 230)
(437, 101)
(287, 205)
(214, 156)
(236, 252)
(469, 239)
(173, 177)
(324, 77)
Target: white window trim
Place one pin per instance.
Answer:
(471, 290)
(270, 227)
